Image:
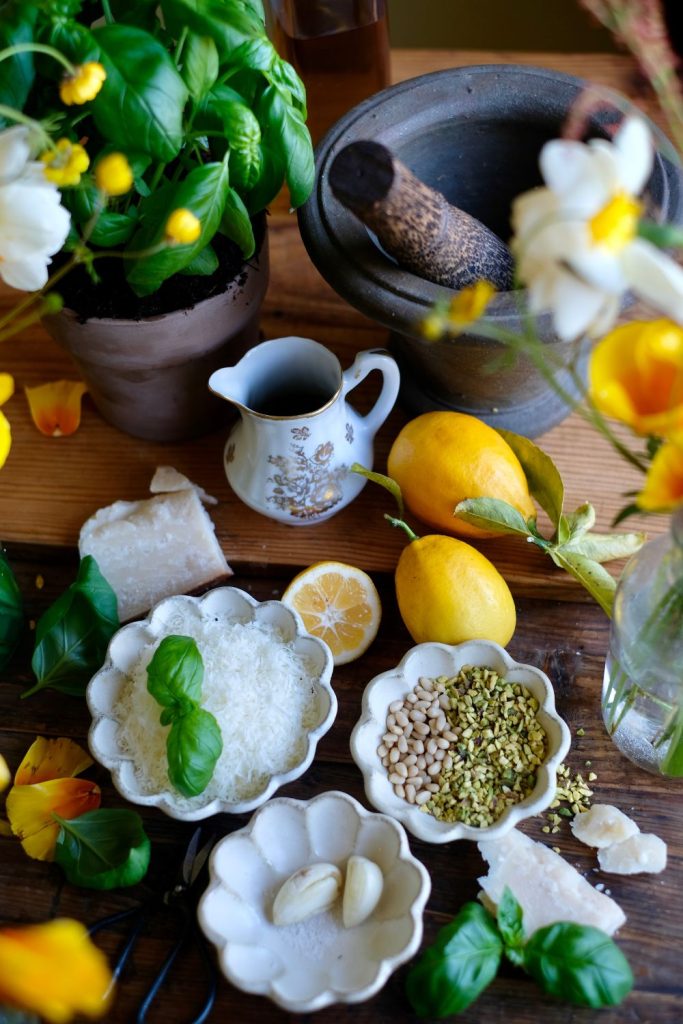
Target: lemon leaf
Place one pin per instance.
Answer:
(602, 547)
(492, 514)
(591, 575)
(384, 481)
(542, 475)
(580, 521)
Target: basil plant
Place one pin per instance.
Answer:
(191, 100)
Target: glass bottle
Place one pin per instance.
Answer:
(340, 48)
(642, 696)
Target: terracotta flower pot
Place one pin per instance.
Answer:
(148, 377)
(474, 134)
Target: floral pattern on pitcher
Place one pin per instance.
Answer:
(304, 485)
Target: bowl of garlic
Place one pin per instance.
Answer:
(314, 902)
(210, 704)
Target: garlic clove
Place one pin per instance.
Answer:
(362, 890)
(309, 891)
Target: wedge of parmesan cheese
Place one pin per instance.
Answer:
(167, 479)
(154, 548)
(546, 886)
(603, 825)
(639, 854)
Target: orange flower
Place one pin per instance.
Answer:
(663, 490)
(55, 970)
(44, 786)
(56, 407)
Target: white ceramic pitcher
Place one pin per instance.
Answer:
(289, 455)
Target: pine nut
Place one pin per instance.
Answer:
(396, 730)
(382, 750)
(440, 754)
(434, 769)
(410, 760)
(391, 720)
(388, 739)
(422, 797)
(418, 746)
(397, 705)
(401, 719)
(385, 760)
(399, 790)
(408, 730)
(432, 787)
(417, 716)
(431, 746)
(410, 794)
(401, 770)
(448, 735)
(442, 743)
(444, 701)
(441, 722)
(395, 779)
(448, 762)
(394, 755)
(412, 771)
(402, 745)
(411, 698)
(426, 683)
(421, 762)
(421, 729)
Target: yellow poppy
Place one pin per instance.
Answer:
(54, 970)
(65, 164)
(182, 227)
(44, 786)
(113, 175)
(83, 84)
(663, 490)
(463, 309)
(56, 407)
(636, 376)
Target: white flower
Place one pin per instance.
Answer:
(575, 240)
(33, 223)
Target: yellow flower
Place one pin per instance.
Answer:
(6, 392)
(44, 786)
(83, 85)
(54, 970)
(56, 407)
(182, 227)
(113, 175)
(663, 490)
(4, 774)
(469, 304)
(65, 164)
(636, 376)
(616, 224)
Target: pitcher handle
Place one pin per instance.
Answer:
(363, 364)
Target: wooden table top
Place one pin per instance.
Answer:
(49, 487)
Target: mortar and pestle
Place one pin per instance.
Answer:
(417, 182)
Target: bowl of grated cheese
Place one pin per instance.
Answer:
(266, 682)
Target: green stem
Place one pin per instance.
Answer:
(108, 16)
(50, 51)
(157, 176)
(180, 45)
(16, 115)
(401, 525)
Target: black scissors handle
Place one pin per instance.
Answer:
(190, 930)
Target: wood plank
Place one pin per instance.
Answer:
(568, 640)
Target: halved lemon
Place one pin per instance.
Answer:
(339, 604)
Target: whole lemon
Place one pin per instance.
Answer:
(448, 591)
(441, 458)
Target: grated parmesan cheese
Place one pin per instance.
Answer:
(260, 692)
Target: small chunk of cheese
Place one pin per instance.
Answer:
(544, 884)
(603, 825)
(151, 549)
(639, 854)
(167, 479)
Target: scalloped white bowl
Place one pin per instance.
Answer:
(307, 966)
(432, 660)
(165, 619)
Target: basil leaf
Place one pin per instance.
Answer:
(270, 179)
(200, 65)
(204, 192)
(73, 634)
(16, 73)
(193, 746)
(542, 475)
(103, 849)
(511, 926)
(11, 611)
(135, 12)
(204, 264)
(450, 975)
(284, 129)
(140, 105)
(229, 23)
(236, 224)
(114, 228)
(492, 514)
(579, 964)
(74, 41)
(285, 77)
(175, 674)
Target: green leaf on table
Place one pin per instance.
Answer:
(603, 547)
(236, 223)
(103, 849)
(200, 65)
(284, 129)
(17, 20)
(591, 575)
(578, 964)
(204, 264)
(492, 514)
(510, 918)
(175, 674)
(73, 634)
(457, 968)
(193, 746)
(203, 191)
(140, 106)
(11, 611)
(543, 477)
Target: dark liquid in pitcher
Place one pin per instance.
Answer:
(339, 69)
(292, 401)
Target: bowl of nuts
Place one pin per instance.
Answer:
(459, 742)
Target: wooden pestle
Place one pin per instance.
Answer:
(416, 224)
